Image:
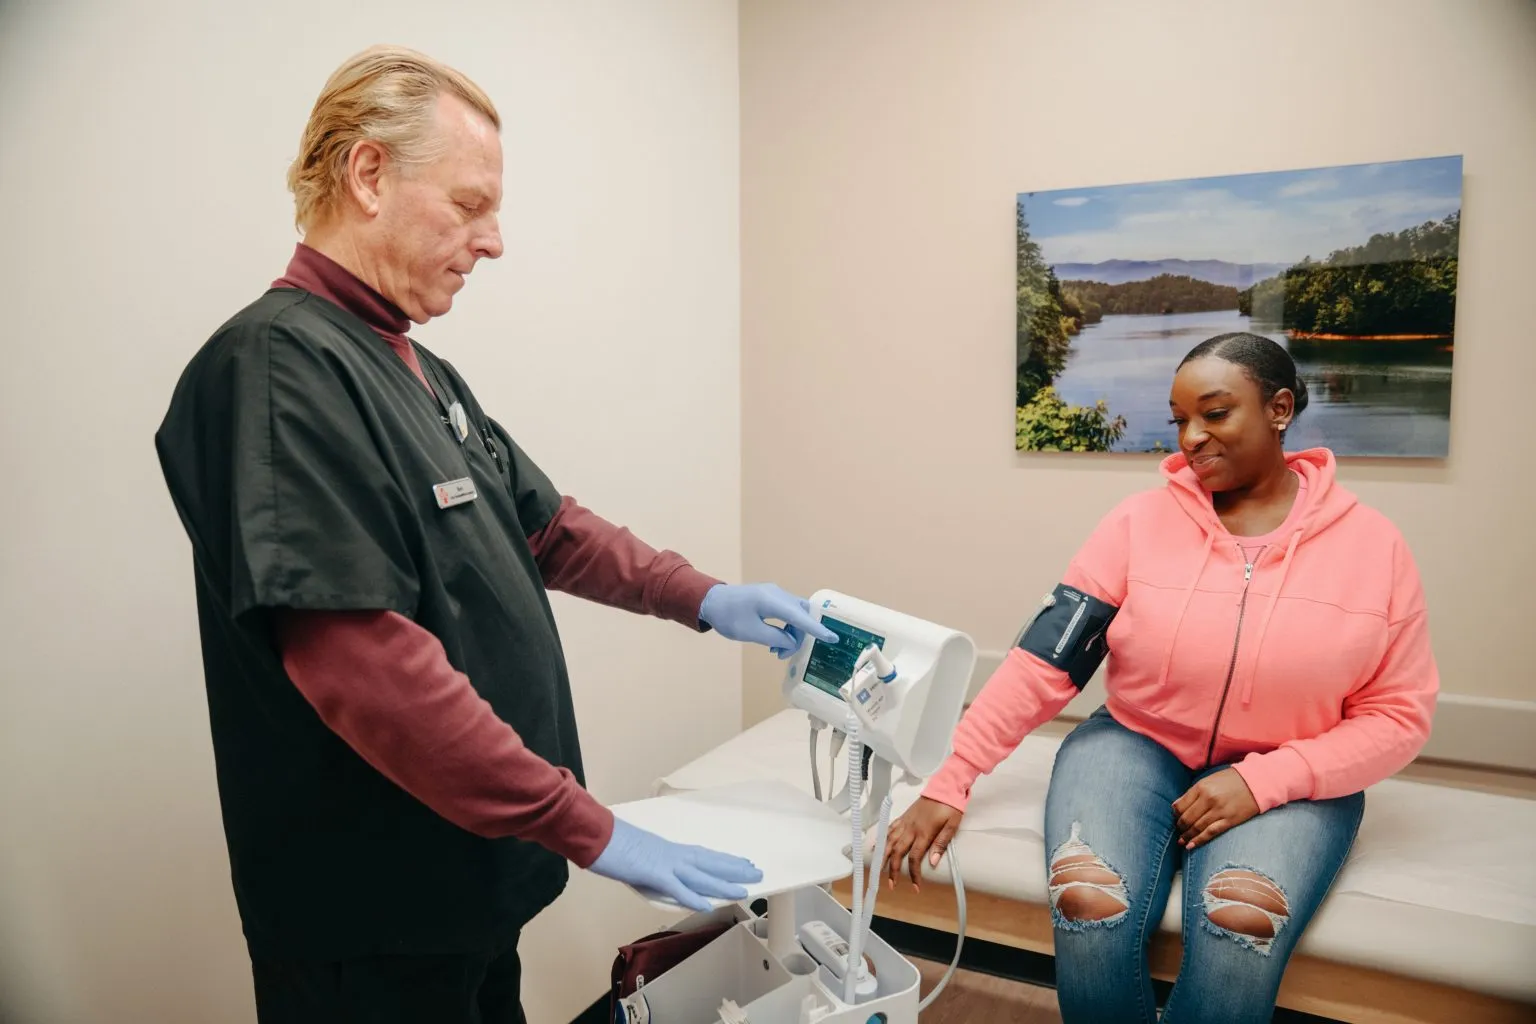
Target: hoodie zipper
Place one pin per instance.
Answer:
(1242, 605)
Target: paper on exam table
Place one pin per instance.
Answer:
(1401, 853)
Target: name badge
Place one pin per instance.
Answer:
(455, 492)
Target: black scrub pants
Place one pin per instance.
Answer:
(445, 989)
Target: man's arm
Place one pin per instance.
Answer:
(582, 554)
(385, 686)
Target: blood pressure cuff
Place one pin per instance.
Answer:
(1070, 633)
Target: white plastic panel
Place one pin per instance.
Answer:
(934, 665)
(793, 838)
(735, 966)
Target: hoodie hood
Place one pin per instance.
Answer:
(1324, 502)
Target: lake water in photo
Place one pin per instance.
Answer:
(1388, 398)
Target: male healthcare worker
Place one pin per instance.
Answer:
(397, 757)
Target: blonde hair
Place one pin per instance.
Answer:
(387, 95)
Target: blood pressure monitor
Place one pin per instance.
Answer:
(933, 672)
(894, 686)
(830, 666)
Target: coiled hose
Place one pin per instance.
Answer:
(855, 812)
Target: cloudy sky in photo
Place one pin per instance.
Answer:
(1276, 217)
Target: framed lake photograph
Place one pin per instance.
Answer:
(1352, 268)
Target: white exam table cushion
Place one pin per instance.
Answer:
(1441, 883)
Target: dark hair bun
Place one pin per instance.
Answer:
(1298, 388)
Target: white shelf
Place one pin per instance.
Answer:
(794, 839)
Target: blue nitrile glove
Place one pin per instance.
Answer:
(741, 612)
(686, 874)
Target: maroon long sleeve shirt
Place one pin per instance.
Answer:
(385, 685)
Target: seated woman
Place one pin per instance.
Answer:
(1268, 659)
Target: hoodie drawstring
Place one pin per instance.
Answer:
(1285, 567)
(1189, 592)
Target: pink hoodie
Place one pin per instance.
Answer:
(1302, 657)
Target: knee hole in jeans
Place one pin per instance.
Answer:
(1247, 906)
(1083, 887)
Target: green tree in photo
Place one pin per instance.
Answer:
(1047, 318)
(1161, 295)
(1043, 340)
(1398, 283)
(1048, 424)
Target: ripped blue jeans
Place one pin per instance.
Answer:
(1112, 852)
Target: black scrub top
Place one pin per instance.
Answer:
(302, 455)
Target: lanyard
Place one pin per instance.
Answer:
(445, 400)
(455, 409)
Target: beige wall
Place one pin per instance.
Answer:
(882, 146)
(142, 202)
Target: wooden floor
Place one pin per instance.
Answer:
(982, 999)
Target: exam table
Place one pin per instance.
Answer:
(1432, 919)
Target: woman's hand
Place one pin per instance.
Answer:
(1217, 803)
(926, 829)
